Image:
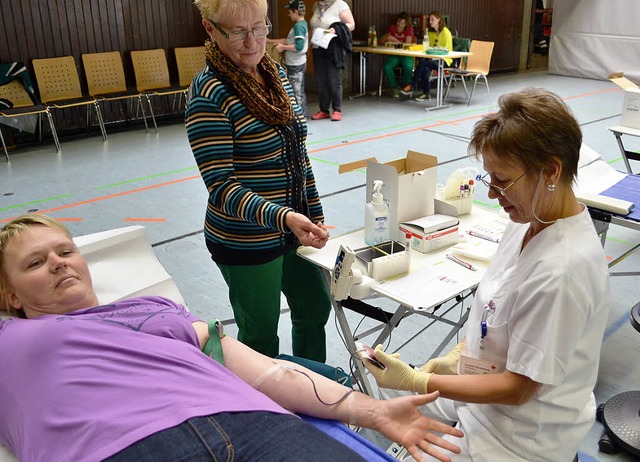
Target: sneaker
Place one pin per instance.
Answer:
(336, 116)
(320, 115)
(395, 93)
(423, 97)
(406, 90)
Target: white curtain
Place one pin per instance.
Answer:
(593, 38)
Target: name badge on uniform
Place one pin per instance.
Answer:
(475, 366)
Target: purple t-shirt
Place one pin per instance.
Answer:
(85, 385)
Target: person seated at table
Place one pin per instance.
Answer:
(128, 380)
(438, 35)
(400, 32)
(520, 385)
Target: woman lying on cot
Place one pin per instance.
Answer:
(521, 383)
(128, 380)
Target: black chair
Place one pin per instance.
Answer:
(620, 415)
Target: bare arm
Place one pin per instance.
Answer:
(503, 388)
(346, 17)
(397, 419)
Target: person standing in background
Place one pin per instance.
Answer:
(248, 136)
(295, 48)
(335, 17)
(400, 32)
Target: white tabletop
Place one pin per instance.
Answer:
(423, 287)
(625, 130)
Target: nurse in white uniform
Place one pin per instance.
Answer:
(521, 383)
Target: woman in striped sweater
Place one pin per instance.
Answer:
(248, 136)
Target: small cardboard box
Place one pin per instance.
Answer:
(432, 232)
(409, 185)
(631, 104)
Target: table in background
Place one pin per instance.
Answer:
(618, 131)
(431, 306)
(413, 54)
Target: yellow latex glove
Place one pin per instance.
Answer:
(398, 374)
(447, 364)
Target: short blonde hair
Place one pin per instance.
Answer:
(13, 230)
(218, 9)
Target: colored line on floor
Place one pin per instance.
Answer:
(616, 325)
(70, 219)
(145, 220)
(111, 196)
(591, 93)
(388, 135)
(39, 201)
(148, 177)
(391, 127)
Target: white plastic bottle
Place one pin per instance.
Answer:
(376, 217)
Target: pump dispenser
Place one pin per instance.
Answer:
(376, 217)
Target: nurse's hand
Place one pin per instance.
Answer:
(447, 364)
(398, 374)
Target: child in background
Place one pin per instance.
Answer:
(295, 50)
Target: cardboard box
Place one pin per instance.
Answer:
(409, 185)
(631, 104)
(432, 232)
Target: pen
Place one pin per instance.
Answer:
(455, 259)
(483, 236)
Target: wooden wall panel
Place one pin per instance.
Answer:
(32, 29)
(498, 21)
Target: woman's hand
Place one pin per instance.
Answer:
(307, 233)
(400, 421)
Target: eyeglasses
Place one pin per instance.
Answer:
(240, 35)
(498, 189)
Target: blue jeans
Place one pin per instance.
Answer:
(240, 436)
(423, 72)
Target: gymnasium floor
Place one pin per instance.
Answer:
(152, 180)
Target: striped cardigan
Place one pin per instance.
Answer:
(254, 173)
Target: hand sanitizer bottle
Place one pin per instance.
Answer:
(376, 217)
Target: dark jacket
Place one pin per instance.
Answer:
(340, 45)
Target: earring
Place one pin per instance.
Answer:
(551, 187)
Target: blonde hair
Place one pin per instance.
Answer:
(215, 10)
(13, 230)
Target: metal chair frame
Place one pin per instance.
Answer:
(23, 106)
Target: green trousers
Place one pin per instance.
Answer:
(254, 292)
